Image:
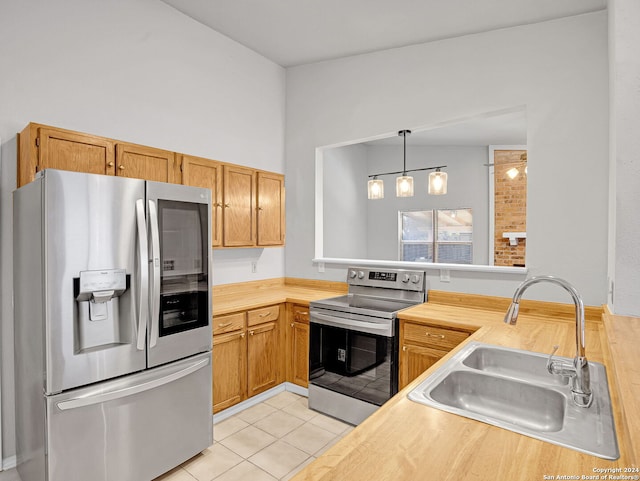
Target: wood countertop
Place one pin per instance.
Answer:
(230, 298)
(404, 440)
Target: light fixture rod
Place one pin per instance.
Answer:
(411, 170)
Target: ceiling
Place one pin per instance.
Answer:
(296, 32)
(508, 128)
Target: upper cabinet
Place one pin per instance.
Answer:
(43, 147)
(239, 206)
(270, 213)
(140, 162)
(247, 205)
(200, 172)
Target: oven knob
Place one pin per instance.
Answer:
(360, 275)
(405, 278)
(415, 278)
(352, 274)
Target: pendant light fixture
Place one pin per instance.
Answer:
(375, 188)
(404, 183)
(437, 182)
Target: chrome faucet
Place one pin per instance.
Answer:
(578, 372)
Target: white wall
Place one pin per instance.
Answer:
(345, 206)
(138, 71)
(624, 222)
(557, 69)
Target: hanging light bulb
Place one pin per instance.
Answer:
(375, 188)
(437, 183)
(404, 183)
(404, 186)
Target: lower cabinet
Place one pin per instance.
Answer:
(422, 345)
(298, 345)
(247, 355)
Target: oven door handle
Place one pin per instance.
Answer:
(346, 323)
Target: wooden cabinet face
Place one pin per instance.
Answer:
(229, 369)
(300, 353)
(239, 220)
(414, 360)
(262, 355)
(206, 173)
(270, 216)
(139, 162)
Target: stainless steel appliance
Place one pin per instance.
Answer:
(112, 327)
(353, 344)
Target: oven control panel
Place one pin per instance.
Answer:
(401, 279)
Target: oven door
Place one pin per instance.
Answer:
(354, 356)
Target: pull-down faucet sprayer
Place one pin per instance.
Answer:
(578, 373)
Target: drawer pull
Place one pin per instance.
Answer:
(303, 313)
(264, 314)
(439, 336)
(224, 324)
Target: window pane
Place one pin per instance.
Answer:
(455, 253)
(455, 226)
(417, 252)
(417, 226)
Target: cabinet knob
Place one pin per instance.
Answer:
(242, 335)
(251, 333)
(227, 205)
(121, 167)
(217, 204)
(110, 164)
(404, 348)
(292, 324)
(260, 208)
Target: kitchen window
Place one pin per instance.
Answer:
(442, 235)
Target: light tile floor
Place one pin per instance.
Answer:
(271, 440)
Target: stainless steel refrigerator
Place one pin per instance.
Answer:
(112, 327)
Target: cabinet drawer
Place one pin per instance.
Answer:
(301, 314)
(229, 323)
(266, 314)
(433, 336)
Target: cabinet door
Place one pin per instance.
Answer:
(140, 162)
(270, 216)
(229, 369)
(263, 357)
(414, 360)
(239, 219)
(65, 150)
(300, 353)
(199, 172)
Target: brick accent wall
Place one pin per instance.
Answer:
(510, 206)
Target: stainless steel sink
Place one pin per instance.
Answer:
(512, 389)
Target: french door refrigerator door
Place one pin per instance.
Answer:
(94, 281)
(180, 271)
(133, 428)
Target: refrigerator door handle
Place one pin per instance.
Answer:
(120, 392)
(143, 301)
(154, 260)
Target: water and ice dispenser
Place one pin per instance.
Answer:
(97, 295)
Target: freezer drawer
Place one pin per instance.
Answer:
(133, 428)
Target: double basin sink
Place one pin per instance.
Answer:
(512, 389)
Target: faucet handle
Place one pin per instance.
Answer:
(550, 363)
(557, 367)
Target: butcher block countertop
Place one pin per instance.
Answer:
(405, 440)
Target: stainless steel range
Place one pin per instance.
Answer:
(353, 344)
